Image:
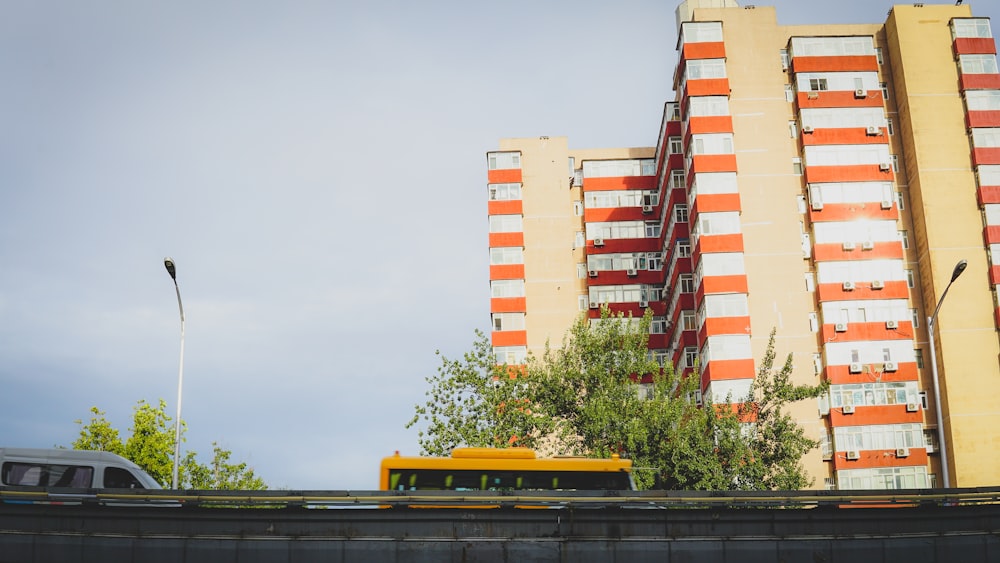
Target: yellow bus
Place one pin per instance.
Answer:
(492, 469)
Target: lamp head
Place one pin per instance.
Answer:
(168, 263)
(959, 268)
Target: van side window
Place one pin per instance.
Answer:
(118, 478)
(46, 475)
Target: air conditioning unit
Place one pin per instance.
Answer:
(873, 131)
(890, 366)
(853, 454)
(886, 204)
(867, 245)
(647, 208)
(902, 452)
(860, 93)
(848, 409)
(849, 245)
(878, 284)
(643, 304)
(817, 205)
(813, 95)
(912, 407)
(884, 167)
(848, 286)
(807, 128)
(891, 324)
(840, 327)
(855, 367)
(592, 273)
(631, 272)
(594, 305)
(598, 241)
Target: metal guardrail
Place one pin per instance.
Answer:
(496, 499)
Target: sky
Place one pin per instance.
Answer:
(316, 169)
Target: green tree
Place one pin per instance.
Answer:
(151, 446)
(473, 402)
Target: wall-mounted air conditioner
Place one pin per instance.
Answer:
(848, 409)
(631, 272)
(817, 205)
(848, 245)
(912, 407)
(853, 454)
(886, 204)
(643, 304)
(855, 367)
(807, 128)
(867, 245)
(891, 325)
(860, 93)
(902, 452)
(878, 284)
(594, 305)
(885, 167)
(840, 327)
(647, 208)
(873, 131)
(598, 241)
(592, 273)
(890, 366)
(848, 286)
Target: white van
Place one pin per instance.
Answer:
(30, 467)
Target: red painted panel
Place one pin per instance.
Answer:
(979, 82)
(835, 251)
(996, 317)
(723, 284)
(848, 173)
(985, 156)
(621, 277)
(508, 305)
(707, 87)
(503, 176)
(723, 325)
(844, 136)
(514, 207)
(849, 211)
(881, 458)
(716, 370)
(839, 99)
(673, 128)
(506, 239)
(707, 50)
(605, 214)
(982, 119)
(619, 183)
(988, 194)
(868, 331)
(657, 340)
(709, 203)
(871, 373)
(708, 244)
(713, 163)
(974, 46)
(875, 414)
(625, 245)
(991, 233)
(507, 272)
(836, 292)
(710, 124)
(510, 338)
(835, 63)
(994, 275)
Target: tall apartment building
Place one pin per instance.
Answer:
(822, 181)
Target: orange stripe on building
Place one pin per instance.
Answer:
(510, 338)
(723, 284)
(991, 234)
(988, 155)
(706, 50)
(619, 183)
(718, 370)
(605, 214)
(979, 82)
(839, 99)
(871, 373)
(714, 326)
(851, 211)
(982, 118)
(709, 203)
(862, 290)
(625, 245)
(709, 124)
(838, 63)
(874, 415)
(844, 136)
(994, 275)
(507, 272)
(710, 244)
(503, 176)
(707, 87)
(512, 207)
(974, 46)
(713, 163)
(988, 194)
(857, 332)
(835, 251)
(506, 239)
(848, 173)
(881, 458)
(508, 305)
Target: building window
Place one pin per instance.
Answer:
(578, 208)
(915, 316)
(503, 160)
(810, 281)
(579, 240)
(918, 354)
(885, 90)
(813, 322)
(793, 129)
(978, 64)
(910, 280)
(677, 179)
(508, 321)
(687, 283)
(878, 55)
(690, 356)
(899, 201)
(675, 145)
(904, 237)
(582, 302)
(797, 166)
(505, 255)
(789, 93)
(688, 320)
(505, 192)
(895, 162)
(683, 249)
(681, 213)
(786, 61)
(817, 84)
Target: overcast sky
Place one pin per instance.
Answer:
(317, 171)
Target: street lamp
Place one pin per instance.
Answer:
(942, 446)
(168, 263)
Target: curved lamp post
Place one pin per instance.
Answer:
(942, 446)
(168, 263)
